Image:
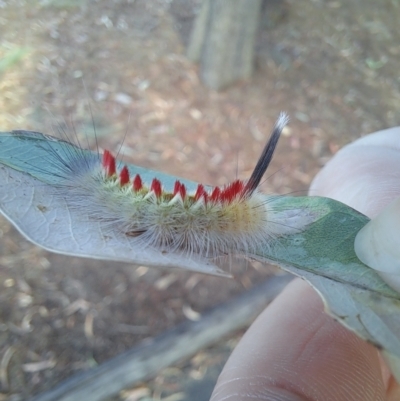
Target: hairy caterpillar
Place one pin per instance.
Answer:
(172, 217)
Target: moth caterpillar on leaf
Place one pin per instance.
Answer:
(125, 212)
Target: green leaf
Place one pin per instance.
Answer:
(326, 247)
(321, 252)
(29, 152)
(353, 293)
(27, 180)
(12, 57)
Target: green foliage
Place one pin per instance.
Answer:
(12, 57)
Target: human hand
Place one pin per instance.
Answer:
(294, 350)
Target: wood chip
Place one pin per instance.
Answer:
(38, 366)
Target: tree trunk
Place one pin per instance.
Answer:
(222, 40)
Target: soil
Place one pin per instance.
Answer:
(120, 66)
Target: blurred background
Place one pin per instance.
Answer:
(121, 66)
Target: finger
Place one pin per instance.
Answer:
(365, 174)
(377, 244)
(295, 351)
(286, 354)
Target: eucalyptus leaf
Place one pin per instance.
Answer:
(27, 200)
(322, 252)
(353, 293)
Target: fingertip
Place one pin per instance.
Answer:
(364, 174)
(294, 349)
(377, 244)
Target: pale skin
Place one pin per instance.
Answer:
(294, 351)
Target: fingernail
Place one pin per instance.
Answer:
(378, 244)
